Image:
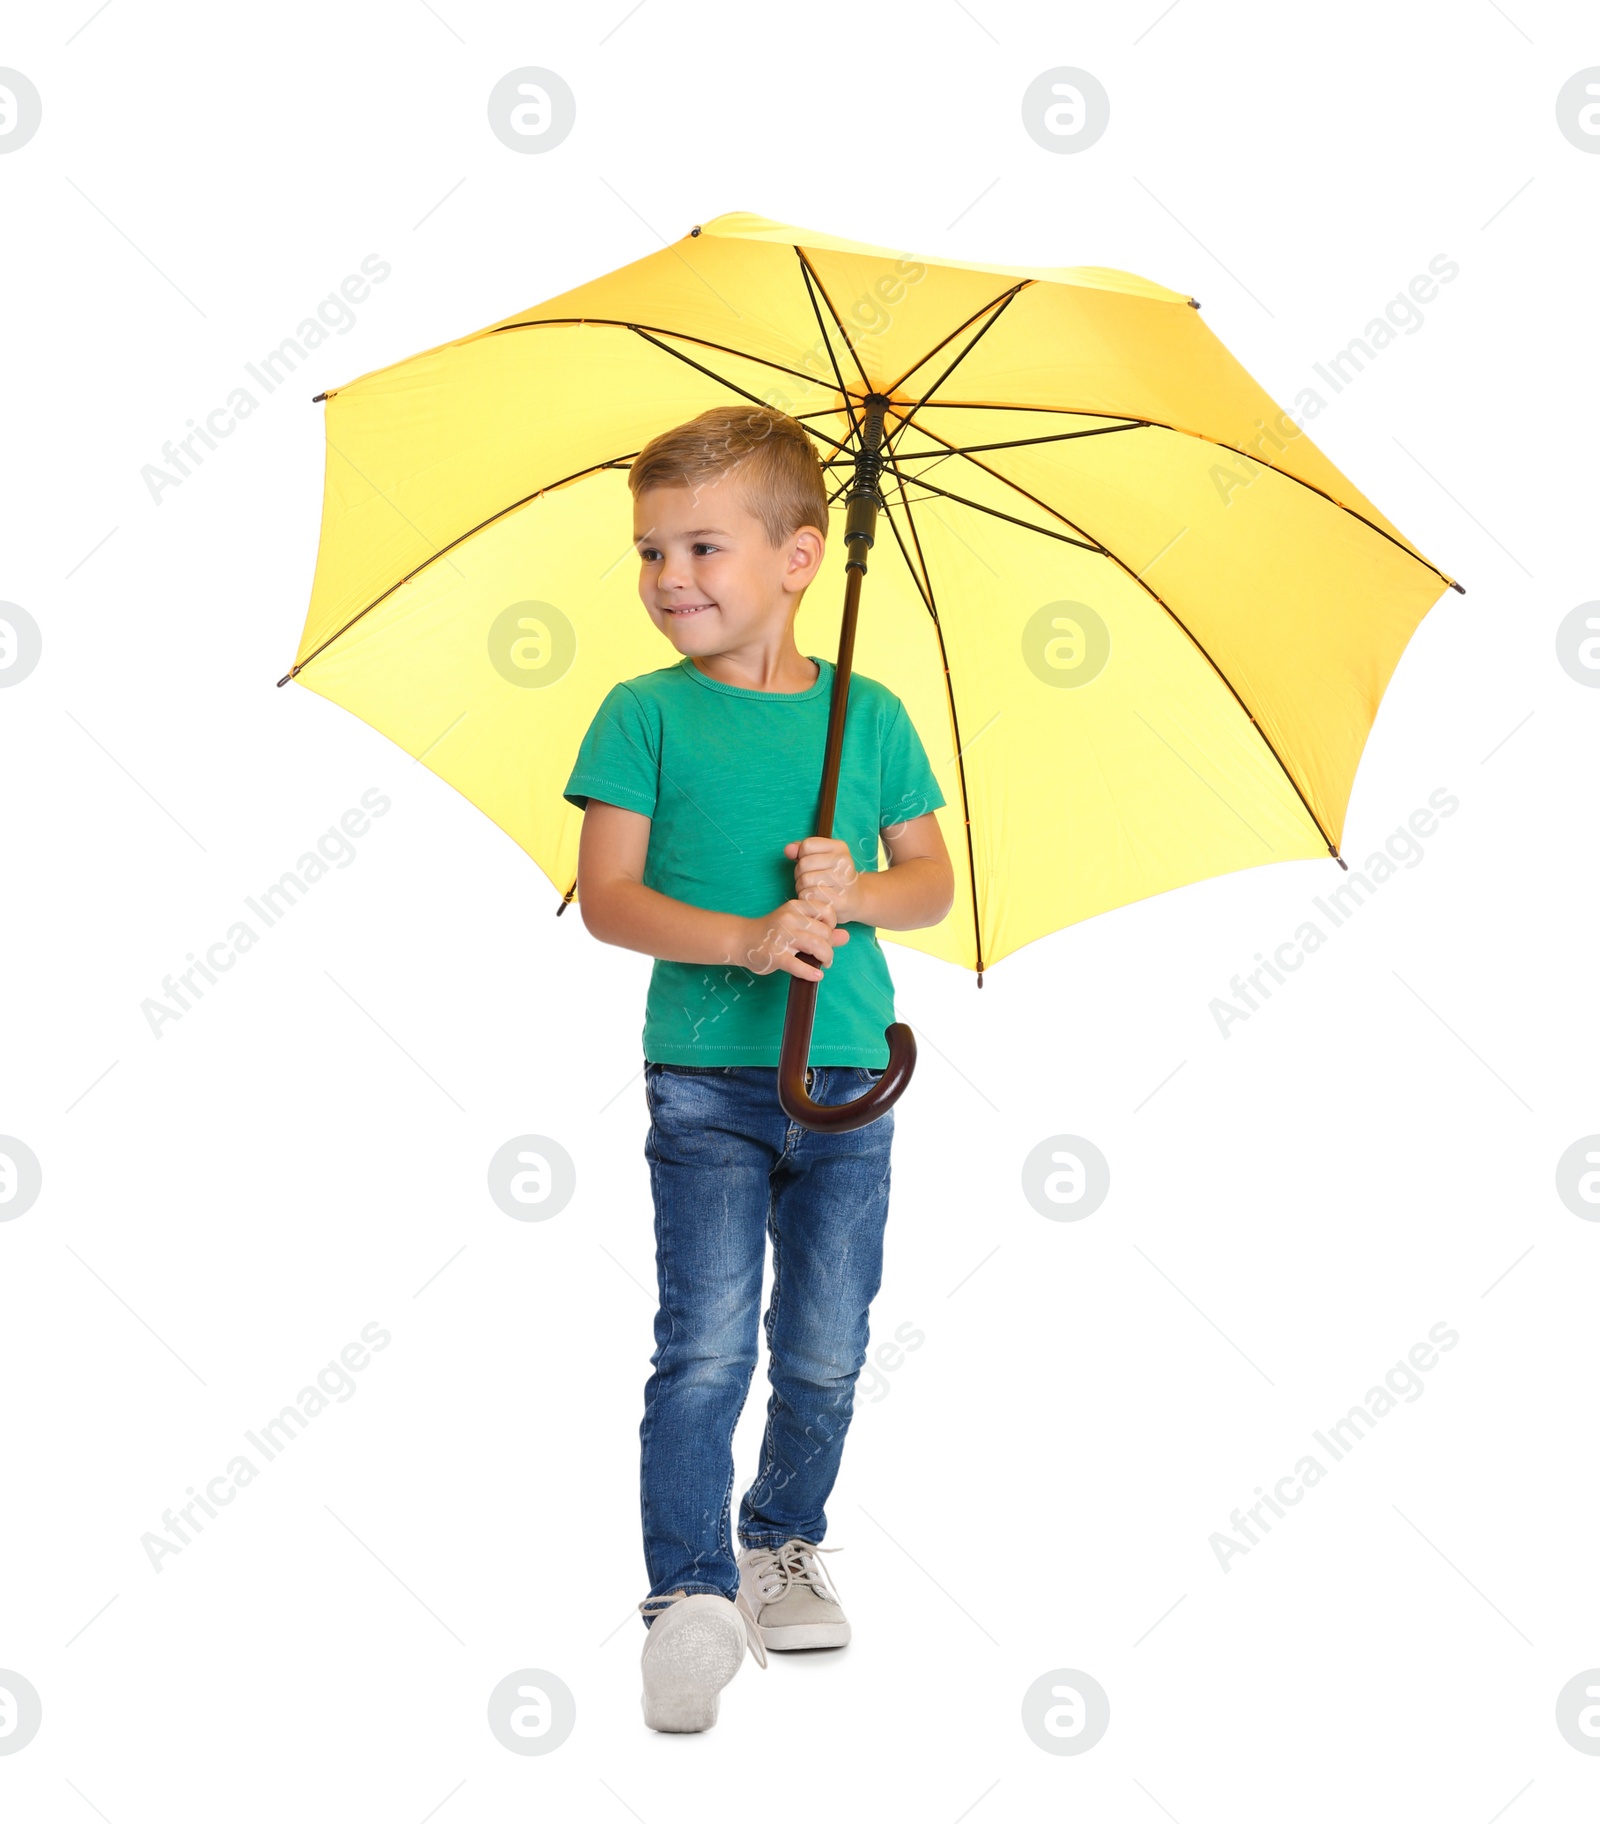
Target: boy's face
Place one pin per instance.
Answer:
(707, 575)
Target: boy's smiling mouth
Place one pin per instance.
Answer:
(683, 609)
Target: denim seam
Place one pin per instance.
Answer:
(724, 1524)
(663, 1281)
(768, 1448)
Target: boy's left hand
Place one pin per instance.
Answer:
(825, 871)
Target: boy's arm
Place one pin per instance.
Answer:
(918, 887)
(618, 908)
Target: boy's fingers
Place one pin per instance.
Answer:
(817, 942)
(821, 874)
(818, 845)
(824, 881)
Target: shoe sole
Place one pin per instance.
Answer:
(805, 1634)
(685, 1670)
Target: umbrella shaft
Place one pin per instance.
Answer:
(860, 523)
(837, 704)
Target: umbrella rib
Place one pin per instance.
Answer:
(698, 366)
(1003, 299)
(996, 310)
(1216, 443)
(1014, 443)
(1106, 551)
(834, 443)
(935, 457)
(925, 589)
(594, 468)
(682, 335)
(1026, 524)
(814, 284)
(919, 570)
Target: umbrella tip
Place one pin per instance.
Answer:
(1194, 303)
(1458, 589)
(285, 678)
(317, 398)
(980, 978)
(694, 231)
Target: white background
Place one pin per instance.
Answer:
(226, 1206)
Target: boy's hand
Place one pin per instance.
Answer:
(825, 874)
(796, 925)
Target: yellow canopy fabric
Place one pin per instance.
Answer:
(1141, 623)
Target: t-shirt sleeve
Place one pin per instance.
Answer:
(908, 788)
(619, 758)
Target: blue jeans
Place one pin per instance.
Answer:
(728, 1169)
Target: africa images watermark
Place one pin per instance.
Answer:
(274, 1437)
(1402, 315)
(274, 901)
(887, 1356)
(1401, 850)
(869, 315)
(1402, 1382)
(873, 1388)
(334, 315)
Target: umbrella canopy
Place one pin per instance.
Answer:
(1141, 623)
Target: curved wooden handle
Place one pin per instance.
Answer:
(839, 1117)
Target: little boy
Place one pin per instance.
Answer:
(699, 784)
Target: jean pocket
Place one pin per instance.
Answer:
(868, 1076)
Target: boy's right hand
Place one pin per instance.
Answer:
(798, 924)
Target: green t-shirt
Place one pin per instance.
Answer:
(727, 776)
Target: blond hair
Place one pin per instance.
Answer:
(781, 476)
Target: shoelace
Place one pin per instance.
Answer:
(656, 1606)
(794, 1564)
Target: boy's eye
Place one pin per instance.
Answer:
(648, 554)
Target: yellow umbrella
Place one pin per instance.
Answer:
(1141, 623)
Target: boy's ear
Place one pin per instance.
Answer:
(807, 548)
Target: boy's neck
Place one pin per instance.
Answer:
(783, 672)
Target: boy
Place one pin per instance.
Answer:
(699, 783)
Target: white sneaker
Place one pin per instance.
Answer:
(691, 1651)
(790, 1596)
